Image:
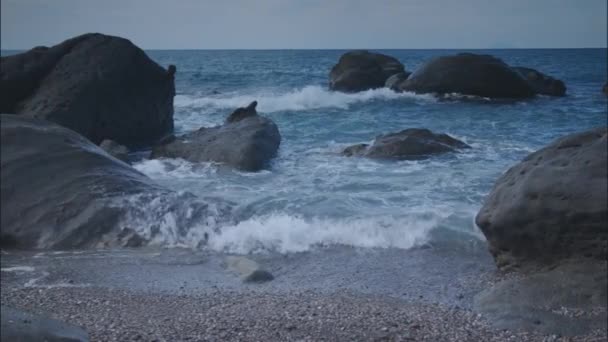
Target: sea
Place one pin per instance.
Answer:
(312, 197)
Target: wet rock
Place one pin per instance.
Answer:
(551, 206)
(395, 81)
(541, 83)
(115, 149)
(362, 70)
(605, 89)
(249, 270)
(17, 325)
(412, 143)
(468, 74)
(100, 86)
(247, 141)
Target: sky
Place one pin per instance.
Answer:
(310, 24)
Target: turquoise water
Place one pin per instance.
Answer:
(311, 195)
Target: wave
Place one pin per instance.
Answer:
(307, 98)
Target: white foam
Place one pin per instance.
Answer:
(18, 269)
(307, 98)
(174, 168)
(286, 233)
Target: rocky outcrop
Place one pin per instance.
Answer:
(102, 87)
(115, 149)
(246, 141)
(412, 143)
(552, 206)
(60, 191)
(394, 82)
(541, 83)
(468, 74)
(363, 70)
(17, 325)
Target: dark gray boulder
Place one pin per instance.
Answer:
(60, 191)
(115, 149)
(541, 83)
(362, 70)
(468, 74)
(394, 82)
(412, 143)
(551, 206)
(19, 326)
(102, 87)
(246, 141)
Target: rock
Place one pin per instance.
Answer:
(115, 149)
(102, 87)
(541, 83)
(362, 70)
(605, 89)
(468, 74)
(20, 326)
(246, 141)
(395, 81)
(60, 191)
(412, 143)
(249, 270)
(551, 206)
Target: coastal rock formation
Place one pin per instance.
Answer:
(395, 81)
(552, 206)
(362, 70)
(102, 87)
(412, 143)
(246, 141)
(60, 191)
(17, 325)
(468, 74)
(115, 149)
(541, 83)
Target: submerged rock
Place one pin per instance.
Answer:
(468, 74)
(17, 326)
(115, 149)
(246, 141)
(362, 70)
(412, 143)
(248, 270)
(551, 206)
(541, 83)
(102, 87)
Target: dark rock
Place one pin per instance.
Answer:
(552, 205)
(362, 70)
(19, 326)
(246, 141)
(258, 276)
(395, 81)
(605, 89)
(115, 149)
(102, 87)
(60, 191)
(468, 74)
(541, 83)
(412, 143)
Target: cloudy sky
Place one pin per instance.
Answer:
(276, 24)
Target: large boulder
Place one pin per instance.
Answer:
(551, 206)
(102, 87)
(541, 83)
(362, 70)
(60, 191)
(468, 74)
(394, 82)
(246, 141)
(412, 143)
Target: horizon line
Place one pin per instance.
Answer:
(334, 49)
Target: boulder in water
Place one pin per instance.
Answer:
(246, 141)
(362, 70)
(551, 206)
(468, 74)
(605, 89)
(102, 87)
(395, 81)
(412, 143)
(115, 149)
(541, 83)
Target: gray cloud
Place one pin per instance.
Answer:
(246, 24)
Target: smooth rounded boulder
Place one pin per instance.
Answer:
(409, 144)
(551, 206)
(541, 83)
(468, 74)
(100, 86)
(246, 141)
(363, 70)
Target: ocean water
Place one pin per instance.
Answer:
(311, 196)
